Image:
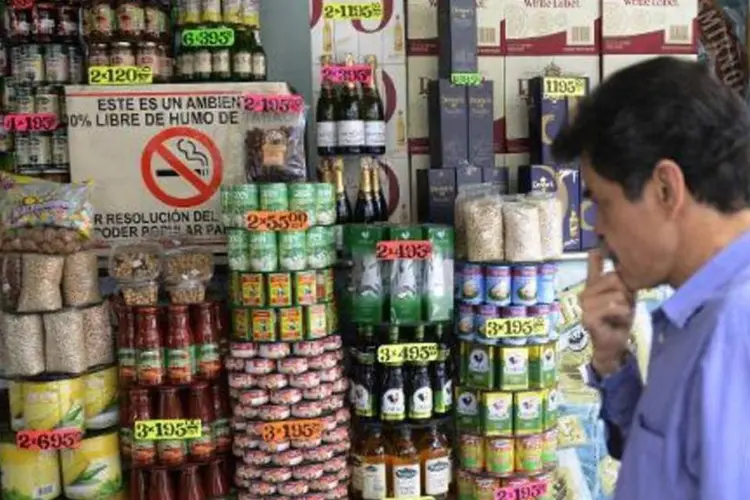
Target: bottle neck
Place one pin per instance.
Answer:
(340, 189)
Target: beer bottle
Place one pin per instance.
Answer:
(242, 65)
(258, 57)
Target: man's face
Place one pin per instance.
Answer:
(640, 238)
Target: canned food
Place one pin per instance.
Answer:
(148, 56)
(241, 324)
(471, 452)
(24, 100)
(304, 285)
(325, 204)
(549, 449)
(23, 161)
(279, 289)
(499, 456)
(263, 325)
(290, 324)
(98, 55)
(292, 250)
(40, 150)
(529, 454)
(302, 199)
(484, 488)
(263, 251)
(274, 197)
(238, 249)
(46, 100)
(56, 63)
(32, 64)
(524, 285)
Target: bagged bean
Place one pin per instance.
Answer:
(81, 279)
(523, 242)
(484, 228)
(550, 223)
(100, 344)
(65, 341)
(40, 284)
(24, 341)
(465, 194)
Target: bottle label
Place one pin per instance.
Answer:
(373, 477)
(150, 366)
(178, 360)
(220, 62)
(203, 61)
(363, 402)
(406, 481)
(437, 475)
(444, 397)
(375, 133)
(259, 65)
(421, 403)
(326, 134)
(357, 473)
(126, 356)
(172, 451)
(243, 64)
(393, 406)
(208, 358)
(351, 133)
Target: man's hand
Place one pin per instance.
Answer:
(608, 309)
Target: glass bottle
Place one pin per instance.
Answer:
(242, 61)
(404, 475)
(364, 210)
(357, 455)
(435, 460)
(392, 400)
(178, 346)
(364, 388)
(170, 452)
(220, 426)
(203, 448)
(372, 109)
(442, 385)
(207, 359)
(381, 205)
(221, 64)
(190, 484)
(420, 393)
(325, 115)
(343, 207)
(127, 421)
(350, 124)
(374, 465)
(258, 58)
(216, 486)
(126, 352)
(201, 64)
(160, 486)
(137, 485)
(143, 451)
(186, 64)
(150, 367)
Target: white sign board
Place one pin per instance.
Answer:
(158, 155)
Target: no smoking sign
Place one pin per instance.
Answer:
(182, 167)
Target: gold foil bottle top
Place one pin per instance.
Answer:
(371, 59)
(349, 60)
(326, 60)
(552, 69)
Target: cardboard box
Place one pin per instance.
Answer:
(448, 118)
(552, 27)
(392, 85)
(421, 71)
(667, 27)
(499, 176)
(480, 124)
(457, 37)
(611, 63)
(421, 27)
(466, 176)
(492, 68)
(490, 17)
(436, 193)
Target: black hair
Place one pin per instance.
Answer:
(665, 108)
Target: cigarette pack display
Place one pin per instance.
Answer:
(436, 191)
(448, 117)
(457, 37)
(480, 122)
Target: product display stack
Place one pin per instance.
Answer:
(506, 402)
(287, 381)
(56, 348)
(401, 299)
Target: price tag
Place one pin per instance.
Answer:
(401, 353)
(406, 249)
(274, 103)
(22, 4)
(158, 430)
(277, 221)
(515, 327)
(468, 79)
(121, 75)
(57, 439)
(528, 491)
(274, 432)
(335, 73)
(561, 87)
(368, 10)
(30, 122)
(208, 37)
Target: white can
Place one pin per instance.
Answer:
(40, 150)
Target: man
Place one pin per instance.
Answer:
(665, 155)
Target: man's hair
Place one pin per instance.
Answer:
(665, 108)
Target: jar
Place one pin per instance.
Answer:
(137, 485)
(143, 451)
(46, 100)
(160, 485)
(217, 485)
(190, 484)
(178, 346)
(122, 54)
(21, 148)
(170, 452)
(40, 150)
(98, 55)
(231, 11)
(21, 24)
(32, 64)
(200, 407)
(101, 20)
(127, 420)
(75, 64)
(56, 63)
(208, 363)
(156, 22)
(24, 100)
(67, 23)
(220, 426)
(130, 18)
(189, 13)
(148, 56)
(150, 369)
(166, 64)
(126, 346)
(45, 22)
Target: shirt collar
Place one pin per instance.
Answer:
(724, 266)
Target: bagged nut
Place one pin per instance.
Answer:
(81, 279)
(12, 278)
(522, 240)
(135, 262)
(188, 264)
(187, 292)
(65, 345)
(484, 228)
(143, 293)
(100, 344)
(465, 194)
(24, 341)
(46, 240)
(40, 284)
(550, 223)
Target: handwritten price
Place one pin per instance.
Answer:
(468, 79)
(275, 432)
(515, 327)
(277, 221)
(401, 353)
(561, 87)
(525, 492)
(274, 103)
(30, 122)
(208, 37)
(406, 249)
(155, 430)
(369, 10)
(49, 440)
(338, 74)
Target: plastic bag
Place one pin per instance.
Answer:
(100, 342)
(523, 242)
(24, 341)
(275, 147)
(65, 341)
(464, 195)
(550, 223)
(484, 228)
(81, 279)
(40, 283)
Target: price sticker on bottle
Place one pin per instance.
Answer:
(406, 249)
(277, 221)
(208, 37)
(467, 79)
(22, 4)
(274, 103)
(121, 75)
(562, 87)
(529, 491)
(303, 430)
(406, 353)
(159, 430)
(30, 122)
(353, 11)
(515, 327)
(58, 439)
(334, 73)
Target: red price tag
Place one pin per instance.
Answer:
(30, 122)
(277, 221)
(361, 73)
(22, 4)
(57, 439)
(259, 103)
(529, 491)
(406, 249)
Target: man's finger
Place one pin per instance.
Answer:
(595, 266)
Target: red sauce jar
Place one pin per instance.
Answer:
(170, 452)
(138, 485)
(150, 370)
(160, 487)
(143, 450)
(190, 484)
(208, 363)
(200, 407)
(220, 426)
(127, 420)
(178, 346)
(126, 366)
(217, 485)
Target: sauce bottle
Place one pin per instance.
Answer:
(404, 477)
(190, 484)
(435, 459)
(127, 420)
(357, 457)
(201, 449)
(137, 485)
(178, 346)
(364, 391)
(143, 450)
(220, 323)
(217, 486)
(208, 363)
(160, 486)
(442, 384)
(392, 401)
(170, 452)
(150, 369)
(374, 461)
(420, 393)
(220, 425)
(126, 365)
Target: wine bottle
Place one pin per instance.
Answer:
(364, 210)
(325, 115)
(343, 207)
(372, 109)
(377, 191)
(350, 125)
(258, 58)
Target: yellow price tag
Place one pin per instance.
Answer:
(156, 430)
(348, 11)
(516, 327)
(120, 75)
(403, 353)
(561, 87)
(467, 79)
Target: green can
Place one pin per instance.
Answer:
(366, 286)
(325, 204)
(302, 199)
(274, 197)
(321, 251)
(238, 256)
(227, 214)
(264, 256)
(292, 250)
(243, 199)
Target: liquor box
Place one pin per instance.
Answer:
(417, 164)
(392, 84)
(589, 238)
(649, 27)
(422, 70)
(492, 69)
(457, 37)
(421, 28)
(611, 63)
(436, 194)
(499, 176)
(552, 27)
(490, 18)
(448, 117)
(547, 116)
(565, 181)
(466, 176)
(480, 111)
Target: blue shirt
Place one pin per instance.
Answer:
(687, 432)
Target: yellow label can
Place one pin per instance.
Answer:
(15, 396)
(93, 470)
(102, 402)
(29, 474)
(53, 405)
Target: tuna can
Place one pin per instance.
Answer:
(524, 285)
(466, 321)
(60, 159)
(241, 324)
(263, 251)
(24, 100)
(513, 312)
(316, 319)
(546, 290)
(292, 250)
(32, 64)
(529, 454)
(274, 197)
(498, 454)
(238, 249)
(279, 289)
(56, 63)
(497, 285)
(302, 199)
(290, 324)
(304, 285)
(263, 325)
(472, 284)
(325, 204)
(46, 100)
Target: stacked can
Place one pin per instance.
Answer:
(287, 382)
(507, 399)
